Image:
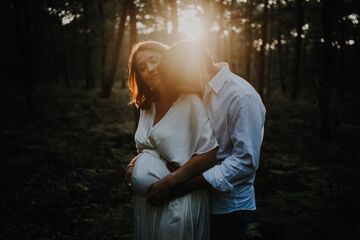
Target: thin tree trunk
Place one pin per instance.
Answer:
(110, 78)
(65, 68)
(326, 83)
(221, 36)
(133, 30)
(342, 74)
(88, 68)
(262, 67)
(24, 40)
(281, 62)
(269, 61)
(174, 21)
(102, 41)
(249, 41)
(298, 44)
(207, 36)
(133, 40)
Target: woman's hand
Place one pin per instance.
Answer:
(128, 173)
(159, 192)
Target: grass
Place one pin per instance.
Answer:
(62, 170)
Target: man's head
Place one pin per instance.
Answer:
(186, 65)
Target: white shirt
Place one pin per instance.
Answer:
(237, 116)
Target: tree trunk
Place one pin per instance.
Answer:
(326, 83)
(133, 30)
(22, 19)
(269, 60)
(298, 43)
(207, 36)
(65, 68)
(220, 37)
(281, 62)
(133, 40)
(342, 74)
(7, 41)
(102, 41)
(110, 77)
(249, 40)
(174, 21)
(262, 67)
(88, 68)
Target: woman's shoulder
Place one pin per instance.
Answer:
(192, 101)
(190, 98)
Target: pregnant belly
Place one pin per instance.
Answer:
(149, 168)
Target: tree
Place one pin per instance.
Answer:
(298, 42)
(110, 77)
(262, 67)
(174, 20)
(88, 68)
(326, 83)
(24, 38)
(249, 39)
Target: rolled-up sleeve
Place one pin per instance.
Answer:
(246, 116)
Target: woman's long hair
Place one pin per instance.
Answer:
(140, 93)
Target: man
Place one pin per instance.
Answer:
(237, 116)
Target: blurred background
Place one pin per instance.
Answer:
(67, 128)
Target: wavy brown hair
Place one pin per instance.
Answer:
(140, 93)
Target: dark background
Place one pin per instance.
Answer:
(66, 129)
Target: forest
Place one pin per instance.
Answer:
(67, 129)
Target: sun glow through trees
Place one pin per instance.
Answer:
(190, 24)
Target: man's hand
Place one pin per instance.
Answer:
(197, 182)
(158, 193)
(172, 166)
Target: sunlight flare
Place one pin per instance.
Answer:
(190, 24)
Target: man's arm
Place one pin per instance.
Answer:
(159, 192)
(246, 116)
(195, 183)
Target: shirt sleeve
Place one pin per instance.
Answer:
(246, 116)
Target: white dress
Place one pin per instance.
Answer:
(182, 132)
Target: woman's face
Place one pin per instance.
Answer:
(147, 63)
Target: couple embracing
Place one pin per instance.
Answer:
(198, 140)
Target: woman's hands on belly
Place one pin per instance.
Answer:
(148, 169)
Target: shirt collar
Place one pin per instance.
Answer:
(217, 82)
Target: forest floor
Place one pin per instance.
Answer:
(62, 170)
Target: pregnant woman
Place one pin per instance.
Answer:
(173, 130)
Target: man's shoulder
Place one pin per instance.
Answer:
(239, 87)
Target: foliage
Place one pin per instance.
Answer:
(62, 170)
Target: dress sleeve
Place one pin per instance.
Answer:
(183, 131)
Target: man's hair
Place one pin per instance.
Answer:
(183, 65)
(140, 93)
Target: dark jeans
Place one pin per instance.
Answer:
(230, 226)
